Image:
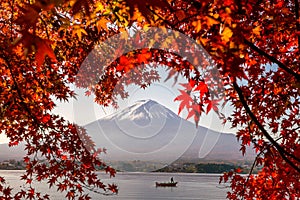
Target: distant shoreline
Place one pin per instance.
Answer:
(148, 166)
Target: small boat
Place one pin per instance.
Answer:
(169, 184)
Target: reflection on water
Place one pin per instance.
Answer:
(141, 186)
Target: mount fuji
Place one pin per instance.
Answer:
(149, 131)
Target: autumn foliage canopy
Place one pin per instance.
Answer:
(253, 44)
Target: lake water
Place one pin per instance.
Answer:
(141, 186)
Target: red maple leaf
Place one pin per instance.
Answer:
(202, 88)
(185, 99)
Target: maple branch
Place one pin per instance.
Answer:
(272, 59)
(18, 90)
(11, 19)
(45, 24)
(250, 172)
(256, 158)
(297, 20)
(281, 151)
(94, 189)
(165, 21)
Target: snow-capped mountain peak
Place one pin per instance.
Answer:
(143, 110)
(148, 130)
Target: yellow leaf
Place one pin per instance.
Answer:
(137, 16)
(227, 10)
(216, 15)
(257, 30)
(197, 25)
(232, 45)
(146, 27)
(107, 11)
(155, 17)
(211, 21)
(226, 34)
(78, 31)
(203, 40)
(72, 2)
(99, 7)
(102, 23)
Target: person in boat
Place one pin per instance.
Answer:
(172, 180)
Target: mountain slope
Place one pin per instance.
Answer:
(147, 130)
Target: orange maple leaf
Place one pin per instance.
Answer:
(144, 56)
(34, 44)
(143, 6)
(125, 64)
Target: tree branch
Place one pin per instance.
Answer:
(11, 19)
(22, 102)
(281, 151)
(297, 20)
(256, 158)
(272, 59)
